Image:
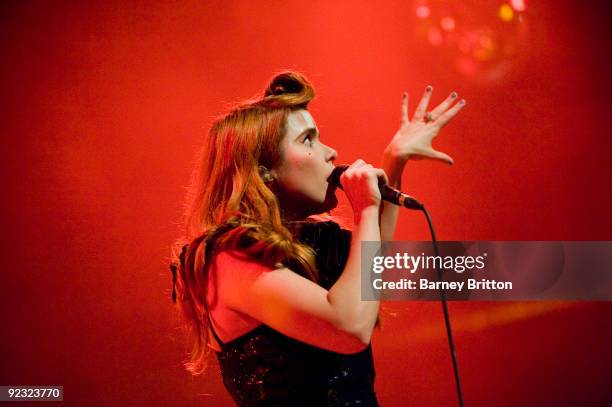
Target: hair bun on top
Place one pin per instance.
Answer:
(289, 82)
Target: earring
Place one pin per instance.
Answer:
(265, 175)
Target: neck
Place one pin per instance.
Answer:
(293, 213)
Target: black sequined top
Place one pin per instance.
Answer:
(266, 368)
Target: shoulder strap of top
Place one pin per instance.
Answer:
(212, 329)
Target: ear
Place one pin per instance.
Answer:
(265, 174)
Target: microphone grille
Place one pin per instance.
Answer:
(334, 178)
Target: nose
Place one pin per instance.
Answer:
(331, 154)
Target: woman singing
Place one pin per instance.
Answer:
(275, 293)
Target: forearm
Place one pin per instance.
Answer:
(394, 168)
(354, 315)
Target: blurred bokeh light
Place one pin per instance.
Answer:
(485, 40)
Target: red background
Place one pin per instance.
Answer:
(105, 103)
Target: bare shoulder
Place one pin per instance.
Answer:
(234, 267)
(233, 276)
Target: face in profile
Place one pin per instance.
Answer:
(301, 175)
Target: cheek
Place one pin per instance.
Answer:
(302, 173)
(299, 163)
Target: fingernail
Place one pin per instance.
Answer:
(454, 95)
(462, 101)
(428, 88)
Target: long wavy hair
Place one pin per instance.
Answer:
(230, 206)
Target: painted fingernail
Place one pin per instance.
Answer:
(454, 95)
(428, 88)
(462, 101)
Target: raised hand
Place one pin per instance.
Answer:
(414, 137)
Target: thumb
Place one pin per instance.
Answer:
(439, 155)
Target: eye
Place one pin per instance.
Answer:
(308, 139)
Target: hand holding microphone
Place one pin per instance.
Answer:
(360, 183)
(344, 175)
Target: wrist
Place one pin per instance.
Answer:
(367, 213)
(395, 152)
(393, 165)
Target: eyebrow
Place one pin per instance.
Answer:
(309, 130)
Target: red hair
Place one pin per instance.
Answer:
(228, 205)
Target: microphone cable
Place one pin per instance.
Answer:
(449, 332)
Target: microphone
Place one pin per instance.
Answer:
(387, 193)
